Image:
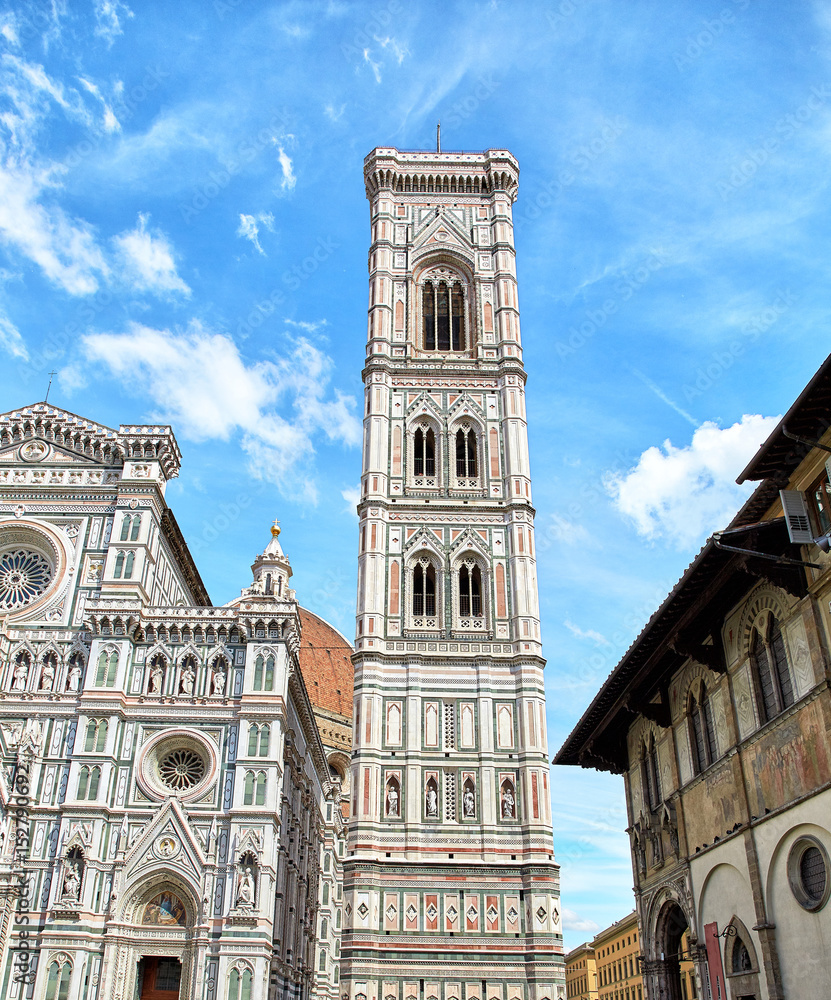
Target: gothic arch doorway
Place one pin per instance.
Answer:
(671, 928)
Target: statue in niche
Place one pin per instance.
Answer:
(73, 680)
(47, 678)
(218, 678)
(187, 679)
(432, 802)
(156, 675)
(71, 881)
(507, 801)
(392, 801)
(245, 888)
(21, 672)
(469, 802)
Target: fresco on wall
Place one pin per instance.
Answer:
(788, 762)
(711, 807)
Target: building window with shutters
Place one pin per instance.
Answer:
(650, 773)
(465, 457)
(769, 664)
(423, 601)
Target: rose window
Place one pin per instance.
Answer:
(181, 769)
(24, 576)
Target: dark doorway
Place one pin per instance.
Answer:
(672, 926)
(159, 978)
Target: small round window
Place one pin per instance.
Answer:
(808, 873)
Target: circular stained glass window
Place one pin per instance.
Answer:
(181, 769)
(24, 576)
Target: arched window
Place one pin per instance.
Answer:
(134, 531)
(770, 666)
(424, 590)
(702, 731)
(128, 565)
(466, 465)
(125, 528)
(253, 737)
(248, 794)
(269, 673)
(470, 592)
(258, 673)
(259, 798)
(443, 312)
(94, 778)
(119, 566)
(650, 773)
(96, 737)
(325, 894)
(239, 984)
(265, 740)
(57, 981)
(107, 668)
(424, 453)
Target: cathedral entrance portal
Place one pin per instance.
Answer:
(159, 978)
(672, 925)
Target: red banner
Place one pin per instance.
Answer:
(718, 991)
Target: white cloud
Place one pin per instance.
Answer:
(562, 529)
(147, 259)
(590, 634)
(199, 381)
(334, 113)
(250, 230)
(111, 123)
(376, 67)
(8, 29)
(64, 248)
(352, 496)
(109, 14)
(309, 327)
(11, 340)
(289, 180)
(574, 922)
(397, 50)
(684, 494)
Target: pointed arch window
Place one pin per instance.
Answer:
(259, 796)
(443, 312)
(253, 740)
(466, 464)
(770, 667)
(119, 565)
(424, 456)
(424, 590)
(107, 668)
(96, 736)
(57, 981)
(265, 740)
(702, 731)
(128, 565)
(650, 773)
(470, 592)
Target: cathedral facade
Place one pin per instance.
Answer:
(450, 885)
(171, 821)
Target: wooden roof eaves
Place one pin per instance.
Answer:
(809, 417)
(650, 661)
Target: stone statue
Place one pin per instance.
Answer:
(507, 802)
(156, 675)
(469, 803)
(186, 684)
(21, 672)
(71, 881)
(218, 680)
(392, 801)
(245, 888)
(432, 802)
(47, 678)
(73, 680)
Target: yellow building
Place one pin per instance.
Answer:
(617, 951)
(581, 973)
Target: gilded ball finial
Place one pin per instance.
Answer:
(275, 528)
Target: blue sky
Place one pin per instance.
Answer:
(183, 237)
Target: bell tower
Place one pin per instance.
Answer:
(451, 891)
